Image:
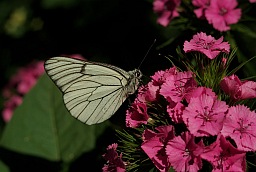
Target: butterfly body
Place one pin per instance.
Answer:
(92, 91)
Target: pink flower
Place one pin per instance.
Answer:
(238, 90)
(240, 125)
(9, 107)
(115, 162)
(199, 91)
(150, 92)
(222, 13)
(252, 1)
(19, 85)
(27, 82)
(203, 5)
(224, 156)
(26, 77)
(154, 146)
(184, 154)
(166, 10)
(204, 115)
(175, 111)
(178, 86)
(147, 93)
(136, 115)
(206, 45)
(160, 76)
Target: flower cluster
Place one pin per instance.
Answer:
(115, 162)
(19, 85)
(180, 121)
(219, 13)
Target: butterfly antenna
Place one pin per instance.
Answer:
(147, 53)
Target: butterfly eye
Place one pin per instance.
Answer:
(137, 74)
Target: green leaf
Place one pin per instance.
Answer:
(153, 170)
(248, 68)
(244, 29)
(42, 126)
(3, 167)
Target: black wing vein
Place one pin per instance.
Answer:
(92, 92)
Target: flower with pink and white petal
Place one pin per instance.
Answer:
(154, 146)
(207, 45)
(224, 156)
(222, 13)
(184, 154)
(240, 125)
(204, 115)
(160, 76)
(175, 111)
(177, 87)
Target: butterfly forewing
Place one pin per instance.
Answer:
(92, 92)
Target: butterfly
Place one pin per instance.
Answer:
(92, 91)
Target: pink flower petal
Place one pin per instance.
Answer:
(206, 45)
(224, 156)
(222, 13)
(166, 10)
(183, 153)
(240, 125)
(204, 115)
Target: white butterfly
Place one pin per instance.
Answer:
(92, 91)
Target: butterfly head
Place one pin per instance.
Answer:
(133, 83)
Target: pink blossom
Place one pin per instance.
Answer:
(154, 146)
(175, 111)
(136, 115)
(150, 92)
(204, 115)
(252, 1)
(166, 10)
(9, 107)
(238, 90)
(19, 85)
(222, 13)
(207, 45)
(26, 77)
(198, 92)
(178, 86)
(38, 68)
(240, 125)
(27, 82)
(224, 156)
(160, 76)
(203, 5)
(147, 93)
(183, 154)
(115, 162)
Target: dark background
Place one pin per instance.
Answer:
(118, 32)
